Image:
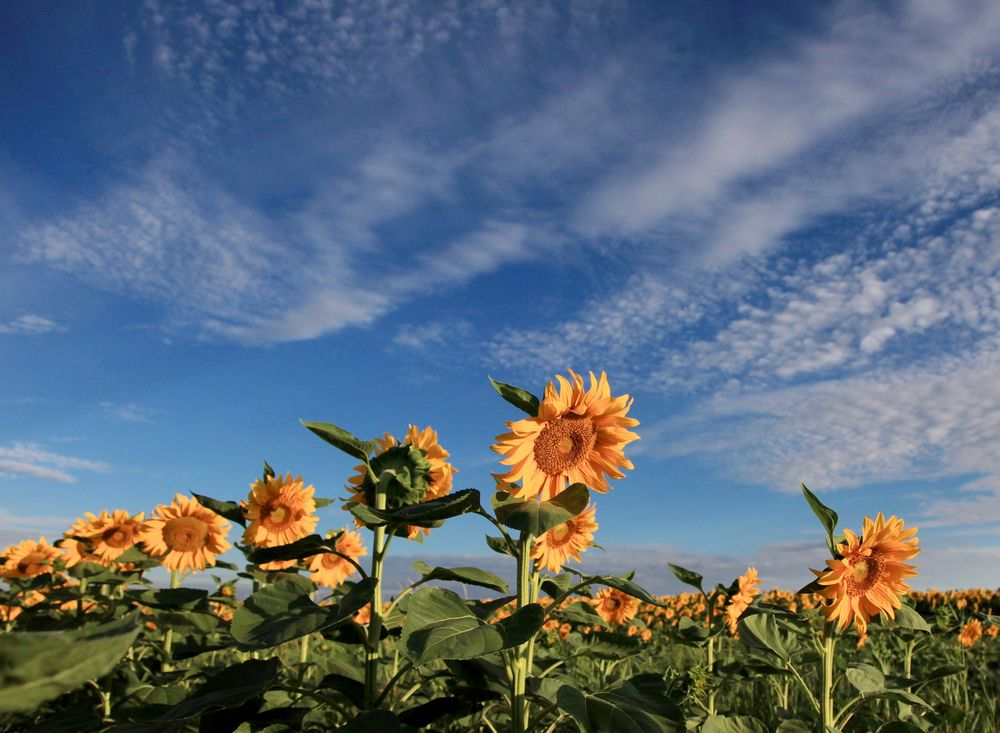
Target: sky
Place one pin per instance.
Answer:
(775, 225)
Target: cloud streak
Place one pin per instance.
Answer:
(30, 459)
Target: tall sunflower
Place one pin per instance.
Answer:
(578, 436)
(553, 548)
(615, 606)
(114, 533)
(332, 570)
(76, 544)
(184, 534)
(867, 576)
(28, 558)
(748, 588)
(281, 510)
(421, 468)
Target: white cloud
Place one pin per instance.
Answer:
(30, 459)
(129, 412)
(30, 325)
(778, 116)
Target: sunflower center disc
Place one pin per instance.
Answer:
(185, 534)
(564, 443)
(865, 572)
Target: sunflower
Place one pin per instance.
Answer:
(280, 511)
(112, 534)
(76, 545)
(616, 607)
(421, 468)
(578, 436)
(553, 548)
(184, 534)
(868, 575)
(749, 586)
(971, 633)
(29, 558)
(332, 570)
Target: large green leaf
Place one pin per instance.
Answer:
(440, 625)
(277, 613)
(302, 548)
(537, 517)
(423, 514)
(171, 598)
(732, 724)
(522, 399)
(865, 678)
(907, 618)
(688, 577)
(827, 517)
(638, 705)
(768, 632)
(39, 666)
(342, 439)
(227, 689)
(227, 509)
(467, 575)
(625, 585)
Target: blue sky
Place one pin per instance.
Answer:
(776, 225)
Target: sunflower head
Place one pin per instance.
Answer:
(748, 586)
(578, 436)
(184, 534)
(331, 570)
(418, 471)
(868, 575)
(971, 633)
(565, 541)
(281, 510)
(615, 606)
(28, 559)
(112, 533)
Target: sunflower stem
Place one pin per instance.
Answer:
(379, 545)
(168, 636)
(522, 654)
(828, 652)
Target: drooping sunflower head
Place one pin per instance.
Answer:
(616, 607)
(77, 545)
(748, 586)
(184, 534)
(331, 570)
(555, 547)
(578, 436)
(420, 472)
(113, 533)
(280, 509)
(868, 575)
(29, 558)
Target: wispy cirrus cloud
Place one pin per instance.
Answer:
(129, 412)
(31, 459)
(30, 324)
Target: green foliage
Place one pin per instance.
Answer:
(537, 517)
(522, 399)
(39, 666)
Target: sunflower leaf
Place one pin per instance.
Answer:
(638, 705)
(538, 517)
(827, 517)
(467, 575)
(688, 577)
(424, 514)
(227, 509)
(522, 399)
(37, 666)
(341, 439)
(306, 547)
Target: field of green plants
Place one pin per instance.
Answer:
(91, 644)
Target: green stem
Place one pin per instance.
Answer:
(522, 654)
(373, 642)
(168, 636)
(828, 652)
(711, 669)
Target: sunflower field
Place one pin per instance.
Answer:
(90, 643)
